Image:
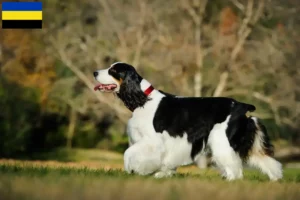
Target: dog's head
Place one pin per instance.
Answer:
(122, 79)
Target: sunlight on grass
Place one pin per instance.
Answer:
(32, 180)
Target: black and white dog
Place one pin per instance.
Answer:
(168, 131)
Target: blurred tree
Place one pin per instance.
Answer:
(218, 48)
(25, 64)
(15, 118)
(246, 49)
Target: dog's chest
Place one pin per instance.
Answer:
(141, 122)
(140, 127)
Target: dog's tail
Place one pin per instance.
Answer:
(251, 135)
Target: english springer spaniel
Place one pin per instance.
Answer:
(168, 131)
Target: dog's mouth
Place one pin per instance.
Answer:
(105, 87)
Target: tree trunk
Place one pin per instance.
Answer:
(71, 128)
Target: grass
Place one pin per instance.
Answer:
(56, 180)
(67, 155)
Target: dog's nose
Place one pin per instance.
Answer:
(95, 74)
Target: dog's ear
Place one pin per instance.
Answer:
(130, 91)
(131, 80)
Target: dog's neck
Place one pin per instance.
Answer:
(136, 96)
(146, 87)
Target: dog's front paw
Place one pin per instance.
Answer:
(164, 174)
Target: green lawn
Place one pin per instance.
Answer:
(21, 180)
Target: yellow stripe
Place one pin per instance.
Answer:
(22, 15)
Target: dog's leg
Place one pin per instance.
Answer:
(143, 157)
(165, 172)
(229, 163)
(223, 154)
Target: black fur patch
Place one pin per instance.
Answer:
(120, 70)
(241, 133)
(197, 116)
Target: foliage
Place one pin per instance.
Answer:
(23, 127)
(15, 124)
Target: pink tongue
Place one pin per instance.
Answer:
(107, 87)
(97, 86)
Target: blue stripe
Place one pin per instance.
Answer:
(21, 6)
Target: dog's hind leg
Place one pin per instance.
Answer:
(223, 154)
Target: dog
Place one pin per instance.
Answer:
(167, 131)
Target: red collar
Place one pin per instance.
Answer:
(149, 90)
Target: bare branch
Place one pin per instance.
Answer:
(238, 5)
(120, 111)
(222, 84)
(243, 33)
(141, 39)
(271, 103)
(248, 17)
(245, 29)
(108, 13)
(197, 19)
(259, 11)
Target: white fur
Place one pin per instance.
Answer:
(145, 84)
(223, 155)
(267, 165)
(258, 159)
(178, 150)
(144, 157)
(104, 78)
(162, 154)
(132, 132)
(201, 158)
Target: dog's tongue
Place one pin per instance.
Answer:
(105, 86)
(98, 86)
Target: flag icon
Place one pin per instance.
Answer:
(22, 15)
